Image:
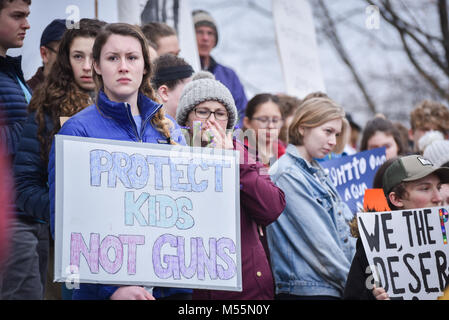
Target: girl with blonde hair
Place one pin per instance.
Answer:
(310, 244)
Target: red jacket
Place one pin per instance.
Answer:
(261, 203)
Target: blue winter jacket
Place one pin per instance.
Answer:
(310, 243)
(31, 175)
(229, 78)
(13, 102)
(111, 120)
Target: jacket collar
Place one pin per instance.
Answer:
(12, 64)
(16, 61)
(122, 112)
(294, 152)
(212, 65)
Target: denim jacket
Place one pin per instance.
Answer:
(310, 243)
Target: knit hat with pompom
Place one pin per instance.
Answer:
(435, 147)
(204, 87)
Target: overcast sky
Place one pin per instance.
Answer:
(247, 43)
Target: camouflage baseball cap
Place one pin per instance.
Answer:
(411, 168)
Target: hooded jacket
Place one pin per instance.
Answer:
(229, 78)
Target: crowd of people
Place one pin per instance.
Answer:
(125, 82)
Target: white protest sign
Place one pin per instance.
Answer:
(147, 214)
(407, 250)
(298, 50)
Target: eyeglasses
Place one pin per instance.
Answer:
(203, 113)
(265, 122)
(51, 49)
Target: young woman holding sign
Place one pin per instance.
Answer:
(409, 182)
(65, 91)
(124, 110)
(207, 109)
(310, 244)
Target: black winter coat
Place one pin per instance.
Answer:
(356, 288)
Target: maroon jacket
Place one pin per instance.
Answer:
(37, 79)
(261, 203)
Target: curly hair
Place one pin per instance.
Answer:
(159, 121)
(430, 112)
(59, 95)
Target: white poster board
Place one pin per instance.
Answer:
(147, 214)
(187, 36)
(408, 251)
(298, 51)
(129, 11)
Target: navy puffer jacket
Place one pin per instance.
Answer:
(13, 104)
(31, 174)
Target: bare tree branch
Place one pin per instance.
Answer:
(390, 15)
(442, 10)
(420, 70)
(332, 35)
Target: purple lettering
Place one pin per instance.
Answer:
(132, 242)
(78, 247)
(222, 244)
(109, 266)
(172, 262)
(206, 261)
(189, 271)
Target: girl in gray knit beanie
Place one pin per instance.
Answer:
(206, 108)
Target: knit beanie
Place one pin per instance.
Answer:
(204, 87)
(435, 147)
(203, 18)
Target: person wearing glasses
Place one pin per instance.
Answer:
(207, 109)
(310, 243)
(262, 123)
(50, 39)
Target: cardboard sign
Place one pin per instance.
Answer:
(352, 175)
(407, 251)
(146, 214)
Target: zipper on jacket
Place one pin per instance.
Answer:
(131, 119)
(144, 123)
